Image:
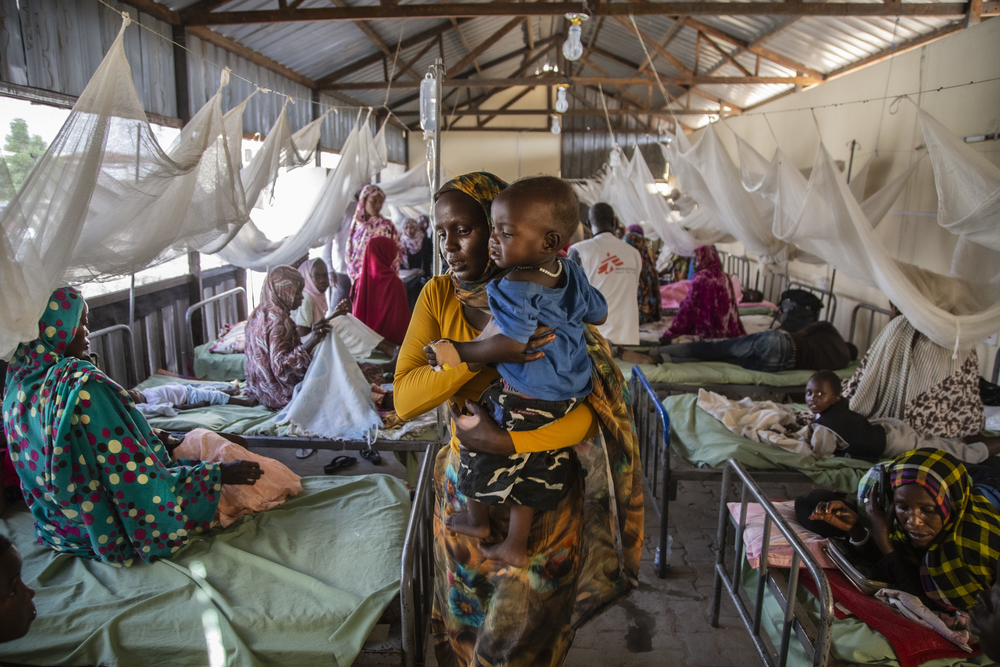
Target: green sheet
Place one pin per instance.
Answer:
(744, 310)
(217, 367)
(302, 584)
(700, 373)
(702, 440)
(853, 641)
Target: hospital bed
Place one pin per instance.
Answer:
(303, 584)
(256, 424)
(680, 442)
(789, 609)
(216, 311)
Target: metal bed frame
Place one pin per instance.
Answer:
(662, 468)
(872, 312)
(783, 584)
(287, 442)
(189, 313)
(828, 298)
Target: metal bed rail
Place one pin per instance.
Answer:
(815, 639)
(662, 468)
(996, 368)
(416, 588)
(189, 313)
(872, 312)
(129, 378)
(828, 298)
(652, 427)
(739, 266)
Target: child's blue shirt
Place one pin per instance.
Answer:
(520, 307)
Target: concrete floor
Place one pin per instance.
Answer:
(665, 621)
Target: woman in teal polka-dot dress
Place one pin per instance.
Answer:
(99, 483)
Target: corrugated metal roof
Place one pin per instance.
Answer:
(61, 57)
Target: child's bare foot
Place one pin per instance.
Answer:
(506, 552)
(462, 522)
(636, 357)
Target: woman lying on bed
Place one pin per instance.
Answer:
(98, 481)
(486, 612)
(938, 539)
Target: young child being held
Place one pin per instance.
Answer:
(839, 431)
(17, 611)
(532, 220)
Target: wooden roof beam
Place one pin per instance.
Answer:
(487, 43)
(757, 41)
(196, 16)
(409, 42)
(621, 90)
(589, 111)
(587, 81)
(726, 55)
(754, 48)
(653, 44)
(503, 108)
(379, 42)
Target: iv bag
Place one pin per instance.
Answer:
(428, 105)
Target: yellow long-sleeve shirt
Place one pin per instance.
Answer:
(418, 388)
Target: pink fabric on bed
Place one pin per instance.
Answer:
(779, 553)
(671, 295)
(276, 485)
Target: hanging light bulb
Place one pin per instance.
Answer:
(573, 48)
(555, 124)
(562, 106)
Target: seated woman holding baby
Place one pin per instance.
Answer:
(99, 482)
(573, 569)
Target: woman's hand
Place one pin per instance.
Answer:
(880, 519)
(343, 308)
(837, 514)
(241, 472)
(530, 352)
(479, 433)
(320, 329)
(169, 442)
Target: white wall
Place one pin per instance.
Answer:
(509, 155)
(968, 55)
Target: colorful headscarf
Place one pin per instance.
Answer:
(319, 303)
(484, 188)
(634, 229)
(363, 228)
(97, 481)
(710, 308)
(379, 298)
(963, 559)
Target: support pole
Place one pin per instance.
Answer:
(438, 69)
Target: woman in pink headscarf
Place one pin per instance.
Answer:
(709, 310)
(368, 223)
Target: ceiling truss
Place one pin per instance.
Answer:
(467, 72)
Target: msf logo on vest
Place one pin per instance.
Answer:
(609, 264)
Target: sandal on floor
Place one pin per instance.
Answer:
(338, 463)
(372, 456)
(304, 453)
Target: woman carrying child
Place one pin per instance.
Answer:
(531, 221)
(486, 612)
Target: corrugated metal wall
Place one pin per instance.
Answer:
(585, 153)
(57, 45)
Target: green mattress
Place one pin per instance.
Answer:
(702, 440)
(209, 365)
(302, 584)
(701, 373)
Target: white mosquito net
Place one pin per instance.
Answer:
(631, 190)
(777, 213)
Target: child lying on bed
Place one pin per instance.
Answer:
(839, 431)
(166, 399)
(532, 219)
(17, 611)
